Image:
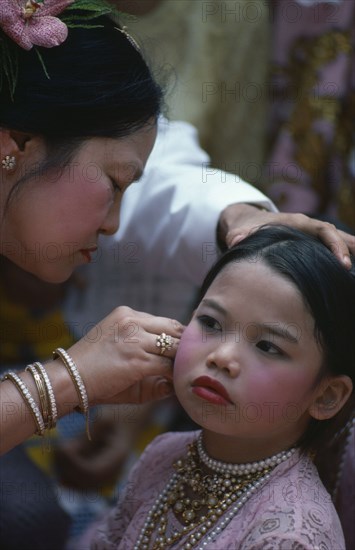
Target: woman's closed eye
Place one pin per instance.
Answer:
(209, 323)
(116, 188)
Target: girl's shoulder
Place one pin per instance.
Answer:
(168, 446)
(292, 510)
(159, 456)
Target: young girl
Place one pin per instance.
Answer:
(266, 368)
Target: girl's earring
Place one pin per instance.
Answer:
(9, 163)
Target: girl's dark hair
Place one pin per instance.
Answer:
(328, 291)
(98, 84)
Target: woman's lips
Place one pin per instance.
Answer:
(209, 389)
(86, 252)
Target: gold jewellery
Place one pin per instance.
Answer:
(45, 394)
(9, 163)
(44, 409)
(28, 398)
(164, 342)
(204, 495)
(78, 384)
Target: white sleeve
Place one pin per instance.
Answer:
(172, 213)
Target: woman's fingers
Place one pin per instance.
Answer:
(132, 324)
(157, 325)
(123, 350)
(151, 388)
(339, 242)
(164, 344)
(156, 335)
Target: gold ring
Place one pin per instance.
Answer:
(164, 342)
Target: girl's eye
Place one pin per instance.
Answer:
(209, 322)
(268, 347)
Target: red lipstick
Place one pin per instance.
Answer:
(211, 390)
(86, 252)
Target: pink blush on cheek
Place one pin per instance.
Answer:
(276, 395)
(190, 343)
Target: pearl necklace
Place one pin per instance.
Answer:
(203, 502)
(241, 469)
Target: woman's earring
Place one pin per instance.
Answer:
(9, 163)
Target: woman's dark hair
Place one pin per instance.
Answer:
(98, 84)
(328, 291)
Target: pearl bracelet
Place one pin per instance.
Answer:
(78, 383)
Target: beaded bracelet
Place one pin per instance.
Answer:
(46, 394)
(78, 383)
(27, 396)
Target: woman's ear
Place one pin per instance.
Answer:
(18, 147)
(13, 143)
(21, 139)
(8, 145)
(331, 396)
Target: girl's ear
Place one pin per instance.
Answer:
(331, 396)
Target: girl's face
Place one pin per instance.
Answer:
(52, 225)
(247, 364)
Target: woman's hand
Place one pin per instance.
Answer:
(238, 220)
(120, 362)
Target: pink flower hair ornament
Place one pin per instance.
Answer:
(33, 23)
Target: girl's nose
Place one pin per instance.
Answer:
(225, 357)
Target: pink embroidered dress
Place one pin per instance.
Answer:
(292, 511)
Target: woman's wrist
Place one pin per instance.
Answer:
(78, 383)
(64, 390)
(22, 407)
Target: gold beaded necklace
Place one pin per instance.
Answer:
(198, 495)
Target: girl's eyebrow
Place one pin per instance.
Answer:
(274, 329)
(213, 304)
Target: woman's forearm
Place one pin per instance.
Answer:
(16, 420)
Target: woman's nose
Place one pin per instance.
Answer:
(226, 357)
(112, 221)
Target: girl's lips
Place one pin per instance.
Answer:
(211, 390)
